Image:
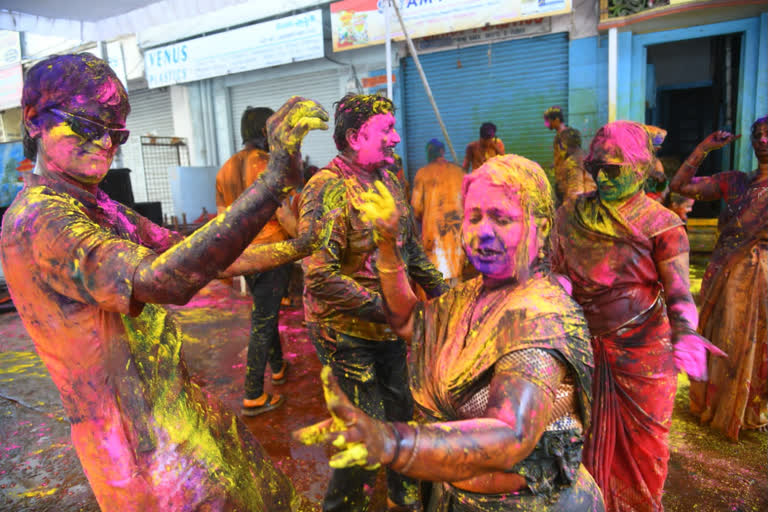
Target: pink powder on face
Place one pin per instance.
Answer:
(376, 140)
(624, 142)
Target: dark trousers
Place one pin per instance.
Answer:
(373, 375)
(267, 289)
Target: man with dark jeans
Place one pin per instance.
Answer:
(267, 288)
(343, 304)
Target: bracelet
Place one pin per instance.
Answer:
(412, 457)
(389, 270)
(398, 440)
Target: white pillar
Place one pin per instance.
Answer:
(388, 47)
(613, 72)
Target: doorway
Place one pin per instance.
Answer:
(692, 90)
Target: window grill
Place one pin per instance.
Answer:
(159, 154)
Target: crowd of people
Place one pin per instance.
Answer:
(496, 342)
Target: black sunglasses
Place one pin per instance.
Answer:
(612, 171)
(91, 130)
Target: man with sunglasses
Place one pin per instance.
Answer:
(89, 277)
(627, 256)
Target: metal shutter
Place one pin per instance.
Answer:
(324, 87)
(151, 114)
(510, 84)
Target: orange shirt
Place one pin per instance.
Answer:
(481, 150)
(235, 176)
(436, 202)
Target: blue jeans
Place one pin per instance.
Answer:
(374, 376)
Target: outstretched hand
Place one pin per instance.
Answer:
(379, 208)
(363, 441)
(287, 127)
(717, 140)
(691, 354)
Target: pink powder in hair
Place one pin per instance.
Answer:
(626, 141)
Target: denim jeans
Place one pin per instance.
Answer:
(374, 376)
(267, 289)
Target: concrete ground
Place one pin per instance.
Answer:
(39, 470)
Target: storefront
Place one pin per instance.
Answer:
(509, 83)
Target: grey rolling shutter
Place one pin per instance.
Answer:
(151, 114)
(322, 87)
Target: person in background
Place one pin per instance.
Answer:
(487, 146)
(681, 205)
(436, 203)
(657, 184)
(343, 305)
(266, 288)
(571, 179)
(554, 120)
(500, 365)
(88, 277)
(734, 289)
(627, 257)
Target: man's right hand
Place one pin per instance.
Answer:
(287, 127)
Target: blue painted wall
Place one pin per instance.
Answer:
(588, 85)
(753, 81)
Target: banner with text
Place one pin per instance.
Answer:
(292, 39)
(358, 23)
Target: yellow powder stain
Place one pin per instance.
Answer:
(38, 493)
(14, 364)
(61, 130)
(378, 204)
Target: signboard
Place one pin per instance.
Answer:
(506, 31)
(358, 23)
(11, 83)
(10, 48)
(292, 39)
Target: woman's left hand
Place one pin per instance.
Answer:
(379, 208)
(691, 354)
(363, 441)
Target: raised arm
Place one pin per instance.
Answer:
(380, 209)
(177, 274)
(703, 188)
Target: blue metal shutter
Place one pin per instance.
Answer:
(510, 84)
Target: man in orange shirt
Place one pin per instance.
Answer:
(488, 146)
(436, 204)
(267, 288)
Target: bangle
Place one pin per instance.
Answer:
(398, 440)
(383, 269)
(412, 457)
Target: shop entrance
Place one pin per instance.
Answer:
(692, 90)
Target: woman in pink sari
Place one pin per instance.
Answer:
(627, 256)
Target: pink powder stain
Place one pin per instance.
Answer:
(376, 140)
(621, 142)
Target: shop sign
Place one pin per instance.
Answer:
(10, 48)
(497, 33)
(358, 23)
(11, 83)
(292, 39)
